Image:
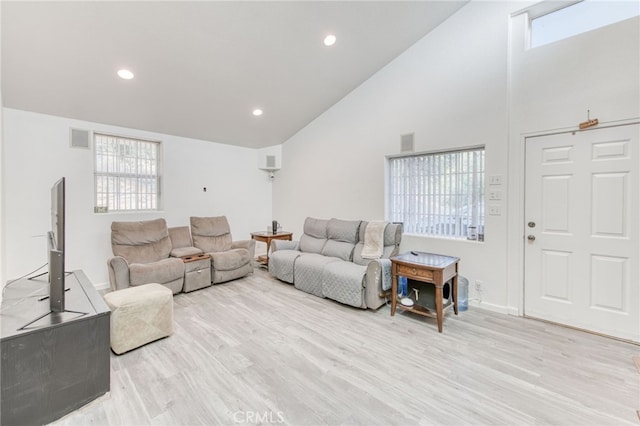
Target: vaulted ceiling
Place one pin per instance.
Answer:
(202, 67)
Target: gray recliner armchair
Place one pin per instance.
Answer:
(229, 259)
(142, 255)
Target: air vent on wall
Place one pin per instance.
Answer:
(79, 138)
(271, 162)
(406, 143)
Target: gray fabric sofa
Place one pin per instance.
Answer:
(327, 262)
(142, 255)
(150, 252)
(229, 259)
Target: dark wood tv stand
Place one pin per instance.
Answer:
(57, 363)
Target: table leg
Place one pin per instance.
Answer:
(454, 285)
(439, 307)
(268, 246)
(394, 292)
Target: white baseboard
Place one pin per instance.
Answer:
(102, 286)
(507, 310)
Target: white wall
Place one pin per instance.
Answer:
(37, 153)
(552, 87)
(452, 89)
(469, 82)
(2, 240)
(2, 199)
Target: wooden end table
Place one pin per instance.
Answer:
(267, 237)
(430, 268)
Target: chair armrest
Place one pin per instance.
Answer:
(245, 244)
(377, 282)
(283, 245)
(118, 273)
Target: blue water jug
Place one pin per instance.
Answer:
(463, 293)
(402, 286)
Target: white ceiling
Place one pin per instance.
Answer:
(201, 67)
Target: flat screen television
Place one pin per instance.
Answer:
(57, 312)
(55, 239)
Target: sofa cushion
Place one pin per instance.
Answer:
(281, 264)
(315, 235)
(315, 227)
(338, 249)
(141, 241)
(211, 234)
(343, 230)
(185, 251)
(357, 255)
(344, 283)
(309, 244)
(392, 234)
(230, 259)
(180, 237)
(220, 276)
(162, 271)
(308, 272)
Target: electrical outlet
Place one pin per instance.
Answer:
(495, 195)
(478, 285)
(495, 180)
(495, 210)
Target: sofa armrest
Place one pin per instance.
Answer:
(377, 282)
(283, 245)
(245, 244)
(118, 273)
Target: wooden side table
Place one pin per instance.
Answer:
(429, 268)
(267, 237)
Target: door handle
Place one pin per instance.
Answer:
(531, 237)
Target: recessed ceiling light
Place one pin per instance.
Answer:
(330, 40)
(125, 74)
(257, 112)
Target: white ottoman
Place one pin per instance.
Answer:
(139, 315)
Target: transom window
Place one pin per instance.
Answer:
(550, 21)
(438, 194)
(126, 174)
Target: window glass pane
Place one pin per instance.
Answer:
(438, 194)
(126, 173)
(579, 18)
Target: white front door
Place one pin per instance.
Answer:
(581, 227)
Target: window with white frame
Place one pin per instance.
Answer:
(552, 20)
(438, 194)
(126, 174)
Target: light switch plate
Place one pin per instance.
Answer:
(495, 180)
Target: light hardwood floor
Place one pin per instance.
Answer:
(258, 351)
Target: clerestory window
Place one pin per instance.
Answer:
(553, 21)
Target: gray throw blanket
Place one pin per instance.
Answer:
(386, 273)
